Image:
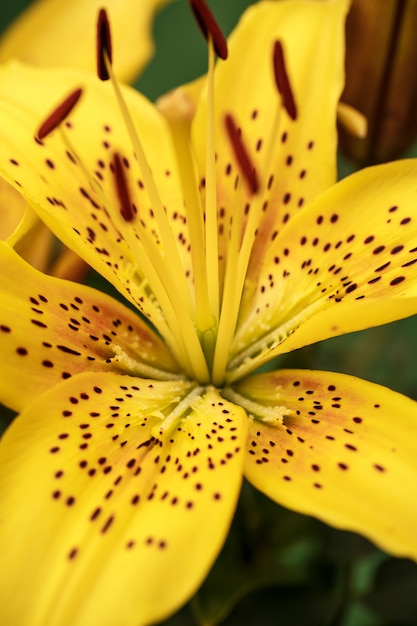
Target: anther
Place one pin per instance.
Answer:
(282, 81)
(209, 27)
(59, 114)
(104, 48)
(242, 156)
(126, 210)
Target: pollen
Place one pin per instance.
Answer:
(104, 45)
(209, 27)
(59, 114)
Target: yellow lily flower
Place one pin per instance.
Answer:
(56, 33)
(226, 231)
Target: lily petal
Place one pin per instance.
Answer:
(51, 329)
(345, 264)
(85, 213)
(56, 33)
(107, 513)
(29, 237)
(346, 453)
(294, 160)
(12, 209)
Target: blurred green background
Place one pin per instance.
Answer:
(279, 567)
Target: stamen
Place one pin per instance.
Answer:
(164, 264)
(59, 114)
(242, 156)
(104, 47)
(209, 27)
(282, 81)
(211, 225)
(126, 210)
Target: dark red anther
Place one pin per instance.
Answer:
(209, 27)
(59, 114)
(242, 156)
(283, 82)
(104, 49)
(126, 209)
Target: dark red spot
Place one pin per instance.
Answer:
(351, 288)
(107, 525)
(72, 554)
(378, 249)
(68, 350)
(397, 280)
(397, 249)
(126, 209)
(95, 514)
(378, 467)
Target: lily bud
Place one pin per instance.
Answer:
(381, 57)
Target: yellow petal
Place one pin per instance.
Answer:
(24, 231)
(346, 263)
(12, 209)
(294, 160)
(30, 237)
(86, 219)
(57, 33)
(101, 522)
(346, 453)
(51, 329)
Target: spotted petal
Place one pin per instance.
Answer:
(84, 211)
(56, 33)
(346, 453)
(117, 525)
(295, 160)
(346, 263)
(51, 329)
